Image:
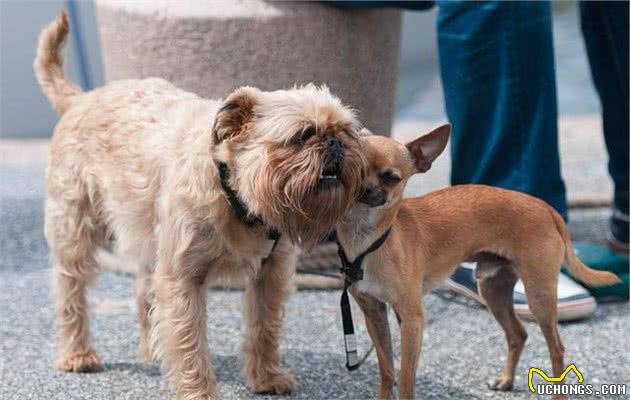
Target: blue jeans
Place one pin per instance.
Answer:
(498, 75)
(605, 30)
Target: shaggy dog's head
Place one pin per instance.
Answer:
(294, 156)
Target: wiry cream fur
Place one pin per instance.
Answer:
(134, 163)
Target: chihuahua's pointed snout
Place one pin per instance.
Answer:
(373, 196)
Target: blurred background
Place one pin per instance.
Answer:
(417, 104)
(418, 94)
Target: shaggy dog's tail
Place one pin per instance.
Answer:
(48, 64)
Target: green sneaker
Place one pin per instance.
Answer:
(616, 292)
(602, 258)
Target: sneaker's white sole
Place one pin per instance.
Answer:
(567, 311)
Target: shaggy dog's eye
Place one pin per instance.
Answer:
(304, 135)
(389, 178)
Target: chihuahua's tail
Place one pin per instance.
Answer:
(583, 273)
(48, 64)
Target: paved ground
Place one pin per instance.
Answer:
(463, 346)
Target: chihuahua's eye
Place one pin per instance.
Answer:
(304, 135)
(389, 178)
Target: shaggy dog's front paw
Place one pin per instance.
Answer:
(85, 361)
(277, 382)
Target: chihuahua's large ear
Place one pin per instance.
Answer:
(237, 110)
(427, 148)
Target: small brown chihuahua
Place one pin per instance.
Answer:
(510, 235)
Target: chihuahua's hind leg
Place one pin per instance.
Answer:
(542, 297)
(496, 279)
(378, 327)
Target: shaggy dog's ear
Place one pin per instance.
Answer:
(233, 117)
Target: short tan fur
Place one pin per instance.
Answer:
(509, 234)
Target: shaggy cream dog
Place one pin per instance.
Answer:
(194, 190)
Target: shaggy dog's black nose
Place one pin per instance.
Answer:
(335, 150)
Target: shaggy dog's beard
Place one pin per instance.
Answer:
(294, 199)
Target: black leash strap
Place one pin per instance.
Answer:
(353, 272)
(350, 340)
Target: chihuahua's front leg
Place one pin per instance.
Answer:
(377, 324)
(411, 325)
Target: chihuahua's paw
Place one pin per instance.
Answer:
(277, 382)
(502, 384)
(385, 394)
(85, 361)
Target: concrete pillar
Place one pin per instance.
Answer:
(212, 47)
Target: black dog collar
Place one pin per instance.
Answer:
(353, 272)
(239, 207)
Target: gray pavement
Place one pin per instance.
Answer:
(463, 346)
